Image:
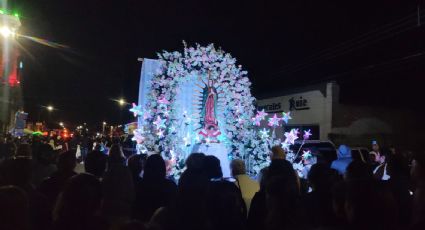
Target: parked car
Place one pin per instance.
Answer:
(360, 153)
(325, 151)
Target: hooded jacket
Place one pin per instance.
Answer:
(344, 159)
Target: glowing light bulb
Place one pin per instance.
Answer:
(6, 32)
(121, 102)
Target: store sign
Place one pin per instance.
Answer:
(298, 104)
(272, 107)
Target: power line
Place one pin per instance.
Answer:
(348, 42)
(373, 38)
(392, 62)
(383, 32)
(348, 49)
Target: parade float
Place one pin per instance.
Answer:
(199, 100)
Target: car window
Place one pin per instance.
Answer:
(364, 152)
(326, 150)
(355, 154)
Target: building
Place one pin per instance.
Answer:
(311, 108)
(317, 107)
(10, 71)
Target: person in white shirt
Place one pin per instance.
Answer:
(247, 186)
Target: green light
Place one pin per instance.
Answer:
(16, 15)
(1, 11)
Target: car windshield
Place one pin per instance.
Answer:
(364, 152)
(325, 150)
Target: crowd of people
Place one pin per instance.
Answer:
(42, 188)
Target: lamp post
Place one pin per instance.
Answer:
(103, 127)
(122, 103)
(50, 109)
(10, 92)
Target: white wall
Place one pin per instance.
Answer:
(319, 110)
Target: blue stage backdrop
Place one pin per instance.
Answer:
(149, 67)
(187, 102)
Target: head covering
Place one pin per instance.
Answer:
(344, 151)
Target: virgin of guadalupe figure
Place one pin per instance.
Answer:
(209, 124)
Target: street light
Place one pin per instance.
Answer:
(103, 127)
(9, 24)
(50, 108)
(121, 102)
(6, 32)
(61, 123)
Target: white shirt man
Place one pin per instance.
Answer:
(247, 185)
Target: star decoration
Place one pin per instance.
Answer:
(160, 133)
(173, 154)
(307, 134)
(274, 121)
(307, 154)
(138, 136)
(186, 140)
(285, 146)
(286, 117)
(261, 114)
(162, 106)
(197, 138)
(291, 137)
(166, 113)
(159, 123)
(185, 113)
(264, 133)
(136, 109)
(239, 108)
(256, 121)
(146, 116)
(163, 100)
(296, 132)
(162, 81)
(172, 130)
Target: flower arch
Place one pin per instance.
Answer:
(164, 118)
(170, 128)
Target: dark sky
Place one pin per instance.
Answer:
(273, 40)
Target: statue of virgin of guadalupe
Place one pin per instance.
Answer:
(209, 124)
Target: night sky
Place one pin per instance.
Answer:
(283, 44)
